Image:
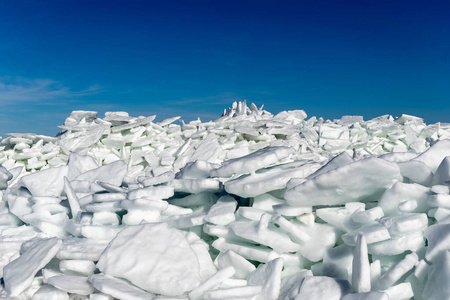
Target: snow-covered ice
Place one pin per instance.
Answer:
(249, 206)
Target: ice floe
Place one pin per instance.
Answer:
(249, 206)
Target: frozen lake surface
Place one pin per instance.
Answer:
(249, 206)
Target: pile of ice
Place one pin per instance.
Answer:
(249, 206)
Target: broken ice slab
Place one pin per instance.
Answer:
(19, 274)
(401, 192)
(372, 234)
(434, 155)
(323, 287)
(252, 162)
(265, 233)
(195, 186)
(152, 192)
(269, 277)
(247, 250)
(442, 175)
(112, 173)
(398, 245)
(266, 180)
(48, 182)
(350, 183)
(222, 212)
(164, 245)
(72, 284)
(81, 248)
(118, 288)
(436, 286)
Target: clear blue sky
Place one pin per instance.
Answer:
(194, 58)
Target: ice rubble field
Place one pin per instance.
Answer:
(250, 206)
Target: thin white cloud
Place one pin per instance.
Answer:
(36, 90)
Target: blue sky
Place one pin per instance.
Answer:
(194, 58)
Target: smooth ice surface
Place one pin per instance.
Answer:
(171, 266)
(352, 182)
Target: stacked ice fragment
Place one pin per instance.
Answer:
(249, 206)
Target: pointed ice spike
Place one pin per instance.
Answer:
(361, 266)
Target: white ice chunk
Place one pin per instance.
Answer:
(100, 296)
(245, 292)
(18, 274)
(435, 154)
(340, 217)
(266, 202)
(440, 189)
(157, 245)
(322, 237)
(416, 171)
(5, 176)
(79, 164)
(49, 292)
(338, 261)
(152, 192)
(208, 150)
(439, 200)
(296, 233)
(290, 285)
(404, 225)
(361, 266)
(195, 186)
(72, 198)
(162, 178)
(394, 246)
(322, 287)
(438, 237)
(350, 183)
(77, 267)
(437, 286)
(367, 296)
(118, 288)
(252, 162)
(401, 192)
(222, 213)
(391, 276)
(269, 277)
(442, 174)
(367, 216)
(72, 284)
(265, 233)
(112, 173)
(207, 267)
(242, 266)
(81, 248)
(265, 180)
(249, 251)
(338, 161)
(402, 291)
(197, 169)
(49, 182)
(372, 233)
(211, 283)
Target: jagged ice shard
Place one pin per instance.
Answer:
(249, 206)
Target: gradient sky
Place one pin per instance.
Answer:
(194, 58)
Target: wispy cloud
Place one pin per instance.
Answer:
(15, 90)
